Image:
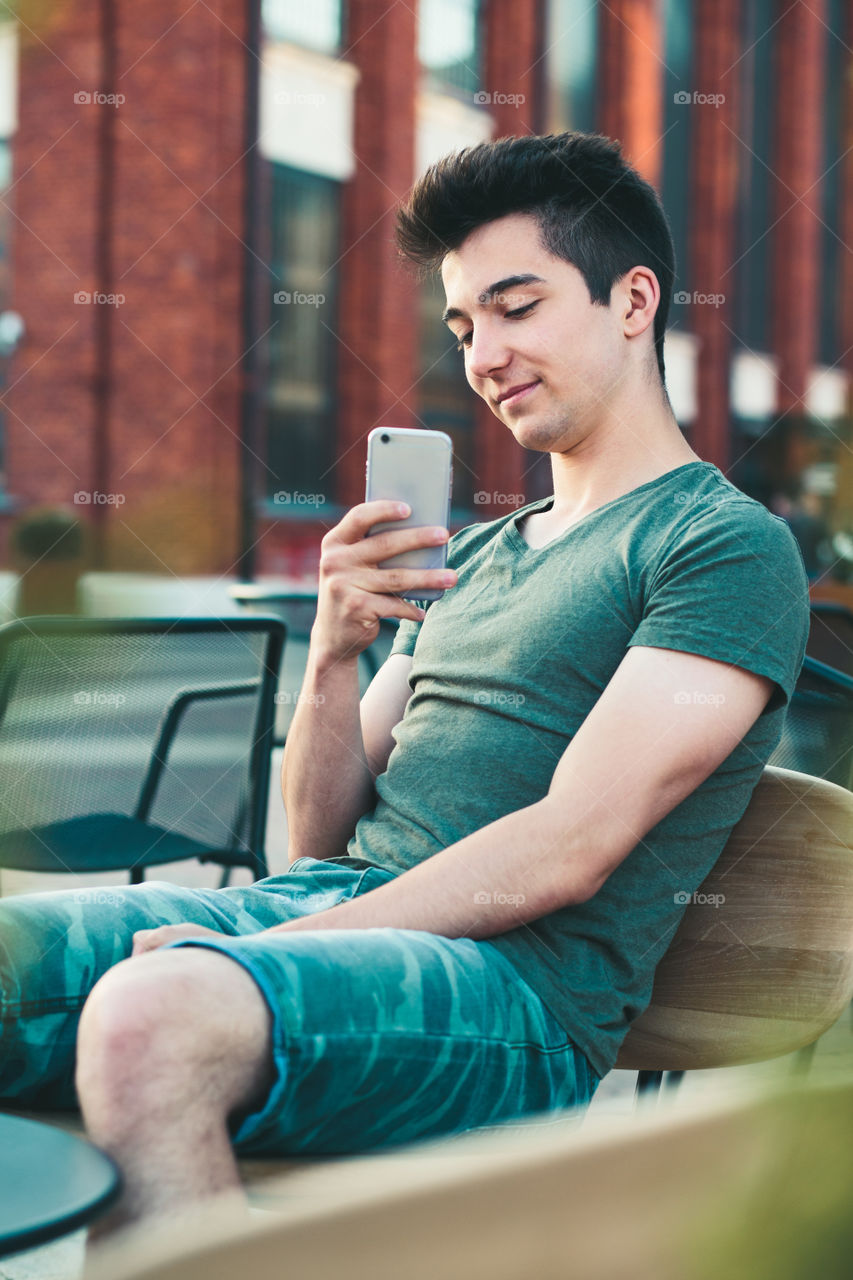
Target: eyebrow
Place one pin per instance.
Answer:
(500, 286)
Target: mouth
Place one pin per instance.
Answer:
(516, 394)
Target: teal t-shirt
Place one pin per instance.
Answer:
(508, 664)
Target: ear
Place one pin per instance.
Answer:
(640, 292)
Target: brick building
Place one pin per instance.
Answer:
(196, 230)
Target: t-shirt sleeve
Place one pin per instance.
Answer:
(404, 640)
(733, 588)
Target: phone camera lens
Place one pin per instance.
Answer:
(385, 438)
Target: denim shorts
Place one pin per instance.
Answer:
(379, 1036)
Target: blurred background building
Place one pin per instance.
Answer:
(203, 313)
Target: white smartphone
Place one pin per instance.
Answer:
(413, 466)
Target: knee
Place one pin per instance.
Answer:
(161, 1023)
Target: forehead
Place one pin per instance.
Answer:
(508, 247)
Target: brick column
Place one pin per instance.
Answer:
(178, 259)
(137, 398)
(54, 154)
(378, 297)
(512, 75)
(630, 81)
(713, 204)
(797, 166)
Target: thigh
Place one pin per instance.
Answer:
(382, 1036)
(55, 946)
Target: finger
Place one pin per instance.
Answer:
(391, 542)
(409, 581)
(359, 520)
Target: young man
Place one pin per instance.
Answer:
(492, 851)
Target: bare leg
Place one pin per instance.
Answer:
(171, 1044)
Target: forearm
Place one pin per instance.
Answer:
(509, 873)
(325, 779)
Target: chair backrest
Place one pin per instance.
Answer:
(762, 962)
(817, 736)
(83, 708)
(831, 635)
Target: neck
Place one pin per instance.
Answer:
(616, 458)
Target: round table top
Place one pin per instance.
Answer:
(51, 1182)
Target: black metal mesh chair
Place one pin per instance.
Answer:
(127, 743)
(817, 737)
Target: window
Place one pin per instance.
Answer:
(449, 44)
(572, 51)
(446, 401)
(300, 392)
(678, 32)
(315, 25)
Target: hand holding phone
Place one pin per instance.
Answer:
(413, 466)
(364, 578)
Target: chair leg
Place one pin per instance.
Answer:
(803, 1059)
(648, 1082)
(137, 875)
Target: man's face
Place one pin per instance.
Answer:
(545, 359)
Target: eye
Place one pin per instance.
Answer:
(520, 311)
(464, 341)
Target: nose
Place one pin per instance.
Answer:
(488, 351)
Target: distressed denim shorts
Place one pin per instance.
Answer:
(379, 1036)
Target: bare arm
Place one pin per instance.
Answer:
(638, 754)
(336, 747)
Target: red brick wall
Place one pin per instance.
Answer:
(630, 81)
(176, 224)
(713, 209)
(797, 165)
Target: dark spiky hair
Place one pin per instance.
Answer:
(593, 209)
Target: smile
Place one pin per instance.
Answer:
(516, 394)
